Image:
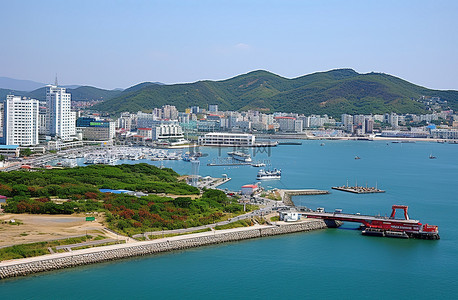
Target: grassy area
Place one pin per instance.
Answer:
(76, 190)
(275, 219)
(272, 195)
(37, 249)
(131, 215)
(240, 223)
(159, 236)
(100, 245)
(260, 220)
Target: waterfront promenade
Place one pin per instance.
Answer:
(25, 266)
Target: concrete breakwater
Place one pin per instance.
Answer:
(26, 266)
(287, 194)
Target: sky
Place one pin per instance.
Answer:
(117, 44)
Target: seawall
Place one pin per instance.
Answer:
(287, 194)
(26, 266)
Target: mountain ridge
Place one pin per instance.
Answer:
(331, 92)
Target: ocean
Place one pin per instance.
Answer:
(331, 263)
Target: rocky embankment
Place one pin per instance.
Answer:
(25, 266)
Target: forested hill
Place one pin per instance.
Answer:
(333, 92)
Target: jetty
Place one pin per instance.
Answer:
(358, 189)
(255, 164)
(287, 194)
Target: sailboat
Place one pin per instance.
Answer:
(431, 156)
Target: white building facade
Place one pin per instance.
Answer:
(227, 139)
(20, 117)
(167, 131)
(61, 121)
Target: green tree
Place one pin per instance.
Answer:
(26, 152)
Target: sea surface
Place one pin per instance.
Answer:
(332, 263)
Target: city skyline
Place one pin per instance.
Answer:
(119, 45)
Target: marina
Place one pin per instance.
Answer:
(112, 156)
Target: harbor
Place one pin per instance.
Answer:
(283, 253)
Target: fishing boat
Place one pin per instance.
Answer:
(268, 174)
(258, 165)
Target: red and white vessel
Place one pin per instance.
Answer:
(384, 226)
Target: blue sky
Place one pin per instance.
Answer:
(113, 44)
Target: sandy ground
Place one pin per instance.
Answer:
(36, 228)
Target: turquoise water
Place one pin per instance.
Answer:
(328, 263)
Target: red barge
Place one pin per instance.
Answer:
(384, 226)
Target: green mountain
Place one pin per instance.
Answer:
(333, 92)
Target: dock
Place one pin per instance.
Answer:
(358, 189)
(287, 194)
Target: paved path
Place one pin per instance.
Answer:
(83, 244)
(121, 246)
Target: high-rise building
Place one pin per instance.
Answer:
(369, 125)
(347, 122)
(20, 121)
(169, 112)
(60, 119)
(213, 107)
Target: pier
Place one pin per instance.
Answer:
(228, 164)
(287, 194)
(358, 189)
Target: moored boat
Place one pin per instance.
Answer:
(267, 174)
(396, 234)
(237, 155)
(373, 232)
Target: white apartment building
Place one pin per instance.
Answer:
(162, 131)
(20, 117)
(61, 121)
(347, 122)
(170, 131)
(169, 112)
(289, 124)
(227, 139)
(213, 107)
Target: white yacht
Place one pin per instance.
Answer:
(237, 155)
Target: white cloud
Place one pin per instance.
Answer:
(242, 47)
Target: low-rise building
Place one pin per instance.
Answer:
(249, 189)
(167, 131)
(95, 130)
(227, 139)
(444, 133)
